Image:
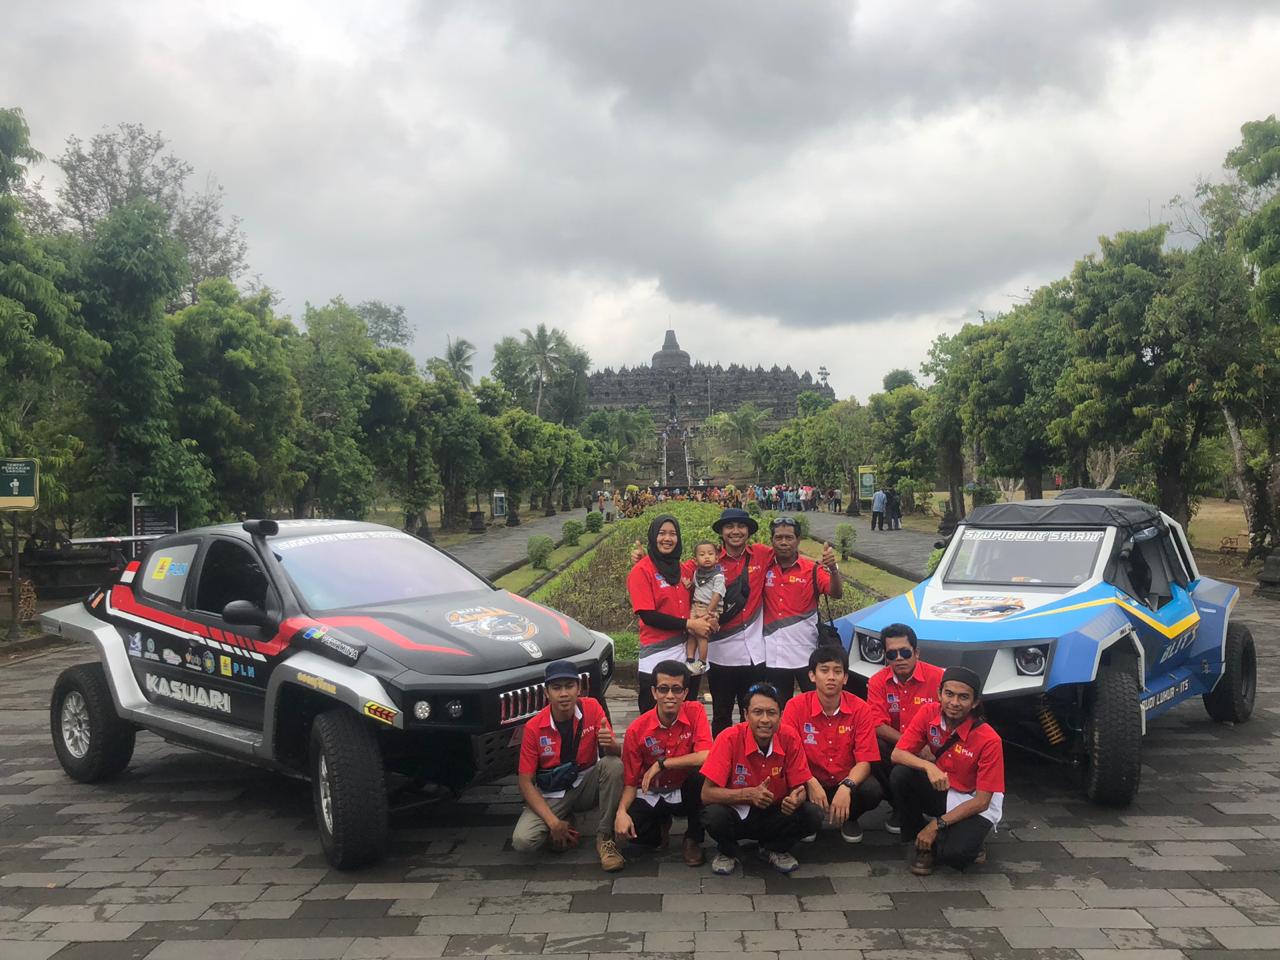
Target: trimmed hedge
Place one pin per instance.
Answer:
(571, 533)
(540, 549)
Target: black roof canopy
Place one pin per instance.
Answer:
(1076, 510)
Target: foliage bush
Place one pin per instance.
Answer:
(846, 535)
(571, 532)
(540, 548)
(931, 564)
(753, 508)
(984, 492)
(594, 522)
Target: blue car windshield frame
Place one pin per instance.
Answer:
(1025, 557)
(369, 568)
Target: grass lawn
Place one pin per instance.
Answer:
(873, 578)
(523, 577)
(626, 646)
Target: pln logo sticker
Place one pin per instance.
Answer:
(494, 624)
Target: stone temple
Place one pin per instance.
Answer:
(681, 394)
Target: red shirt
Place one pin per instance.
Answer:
(650, 591)
(540, 748)
(897, 703)
(975, 761)
(735, 761)
(791, 611)
(647, 740)
(758, 556)
(833, 744)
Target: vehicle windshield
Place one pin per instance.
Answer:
(369, 568)
(1051, 558)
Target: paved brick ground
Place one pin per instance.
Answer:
(189, 857)
(500, 546)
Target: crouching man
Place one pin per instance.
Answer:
(568, 764)
(757, 786)
(838, 731)
(661, 754)
(949, 804)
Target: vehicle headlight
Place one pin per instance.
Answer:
(1030, 661)
(871, 648)
(422, 710)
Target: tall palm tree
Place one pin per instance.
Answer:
(546, 349)
(744, 427)
(458, 355)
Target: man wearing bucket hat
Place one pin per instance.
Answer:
(948, 805)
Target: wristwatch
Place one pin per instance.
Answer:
(940, 823)
(847, 782)
(662, 763)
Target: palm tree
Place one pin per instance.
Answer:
(742, 427)
(458, 355)
(545, 349)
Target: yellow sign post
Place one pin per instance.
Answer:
(19, 490)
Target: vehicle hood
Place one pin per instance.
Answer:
(464, 634)
(986, 616)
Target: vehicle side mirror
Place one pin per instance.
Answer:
(246, 613)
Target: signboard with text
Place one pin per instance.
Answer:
(866, 482)
(150, 520)
(19, 484)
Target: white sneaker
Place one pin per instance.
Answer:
(723, 865)
(809, 839)
(699, 668)
(782, 862)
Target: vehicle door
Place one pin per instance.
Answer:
(231, 664)
(156, 635)
(1168, 602)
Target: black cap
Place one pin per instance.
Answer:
(736, 515)
(961, 675)
(560, 670)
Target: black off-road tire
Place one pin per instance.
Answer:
(1231, 701)
(345, 759)
(1113, 739)
(94, 743)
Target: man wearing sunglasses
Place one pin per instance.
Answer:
(661, 754)
(792, 585)
(903, 687)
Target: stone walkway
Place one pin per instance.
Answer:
(493, 552)
(187, 856)
(901, 552)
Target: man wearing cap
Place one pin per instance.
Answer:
(895, 694)
(562, 770)
(661, 754)
(949, 804)
(792, 585)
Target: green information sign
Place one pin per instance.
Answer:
(19, 484)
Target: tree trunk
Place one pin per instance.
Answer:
(1243, 488)
(1172, 483)
(1032, 479)
(953, 462)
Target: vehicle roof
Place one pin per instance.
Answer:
(289, 529)
(1076, 508)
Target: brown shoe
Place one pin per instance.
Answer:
(692, 850)
(981, 858)
(611, 859)
(922, 865)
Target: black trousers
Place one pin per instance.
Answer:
(960, 842)
(865, 799)
(882, 771)
(729, 685)
(786, 679)
(877, 519)
(649, 820)
(644, 691)
(771, 828)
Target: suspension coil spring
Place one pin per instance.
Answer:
(1049, 723)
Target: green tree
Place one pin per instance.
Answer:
(513, 371)
(899, 378)
(811, 402)
(458, 355)
(544, 351)
(741, 429)
(388, 325)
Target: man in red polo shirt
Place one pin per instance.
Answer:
(905, 685)
(661, 754)
(757, 786)
(839, 737)
(792, 585)
(561, 770)
(948, 805)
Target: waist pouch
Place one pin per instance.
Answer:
(559, 777)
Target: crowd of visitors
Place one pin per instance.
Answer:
(793, 761)
(634, 500)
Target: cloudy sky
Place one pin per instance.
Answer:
(788, 182)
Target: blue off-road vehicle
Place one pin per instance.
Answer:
(1086, 617)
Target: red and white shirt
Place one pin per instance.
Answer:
(540, 746)
(791, 612)
(647, 740)
(974, 760)
(649, 590)
(833, 743)
(895, 702)
(735, 762)
(740, 641)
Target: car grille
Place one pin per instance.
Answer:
(523, 702)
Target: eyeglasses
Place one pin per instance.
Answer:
(777, 522)
(666, 690)
(899, 653)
